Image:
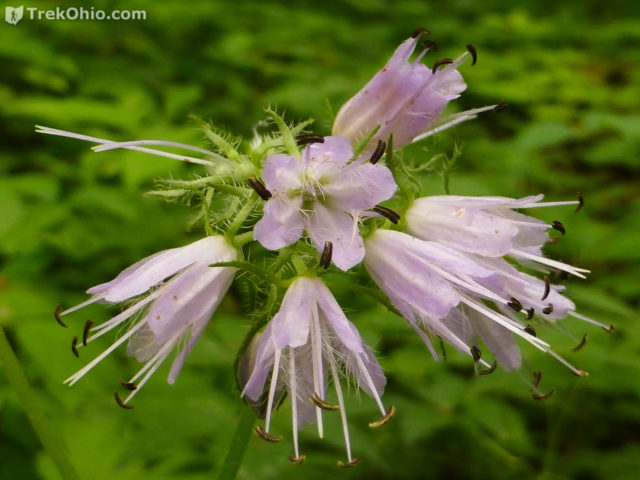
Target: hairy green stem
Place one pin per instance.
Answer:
(48, 436)
(238, 444)
(239, 219)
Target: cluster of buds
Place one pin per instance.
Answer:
(448, 265)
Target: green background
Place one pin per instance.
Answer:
(70, 218)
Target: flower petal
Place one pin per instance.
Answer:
(361, 186)
(281, 224)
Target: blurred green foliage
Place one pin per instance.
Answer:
(71, 218)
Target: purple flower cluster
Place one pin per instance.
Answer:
(450, 267)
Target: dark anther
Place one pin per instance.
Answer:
(500, 107)
(548, 309)
(420, 31)
(442, 61)
(580, 373)
(489, 370)
(530, 330)
(475, 353)
(530, 313)
(580, 203)
(320, 403)
(74, 346)
(547, 288)
(260, 189)
(325, 258)
(387, 213)
(537, 376)
(473, 52)
(431, 45)
(581, 344)
(609, 328)
(58, 319)
(309, 138)
(515, 304)
(378, 152)
(297, 461)
(556, 225)
(128, 385)
(352, 463)
(85, 332)
(383, 421)
(263, 434)
(119, 401)
(544, 396)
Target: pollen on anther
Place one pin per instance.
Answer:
(385, 419)
(352, 463)
(58, 319)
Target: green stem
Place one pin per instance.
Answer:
(238, 444)
(48, 436)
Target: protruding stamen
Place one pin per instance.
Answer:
(309, 138)
(263, 434)
(475, 353)
(537, 376)
(578, 272)
(85, 331)
(473, 52)
(420, 31)
(293, 393)
(580, 203)
(557, 225)
(385, 419)
(352, 463)
(119, 401)
(530, 313)
(297, 460)
(548, 309)
(544, 396)
(128, 385)
(581, 344)
(609, 328)
(323, 404)
(260, 189)
(439, 63)
(500, 107)
(530, 330)
(489, 370)
(58, 319)
(578, 372)
(378, 152)
(431, 45)
(547, 288)
(327, 252)
(74, 346)
(515, 304)
(389, 214)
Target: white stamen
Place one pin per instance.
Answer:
(548, 204)
(82, 305)
(272, 388)
(343, 413)
(589, 320)
(506, 323)
(294, 401)
(135, 143)
(575, 370)
(80, 373)
(316, 357)
(182, 158)
(552, 263)
(165, 348)
(372, 386)
(442, 127)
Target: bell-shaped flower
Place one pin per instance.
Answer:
(446, 291)
(174, 312)
(308, 344)
(324, 193)
(487, 226)
(405, 99)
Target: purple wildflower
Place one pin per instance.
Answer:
(444, 290)
(308, 342)
(323, 193)
(405, 99)
(175, 311)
